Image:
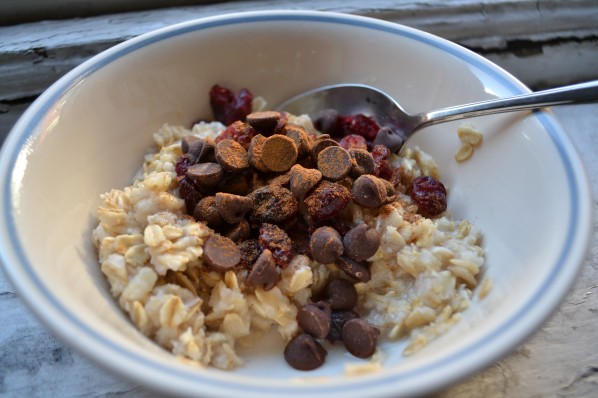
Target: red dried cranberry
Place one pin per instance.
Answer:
(326, 201)
(182, 165)
(382, 167)
(189, 192)
(429, 195)
(278, 242)
(250, 250)
(228, 106)
(353, 141)
(238, 131)
(359, 124)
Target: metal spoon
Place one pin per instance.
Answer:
(350, 99)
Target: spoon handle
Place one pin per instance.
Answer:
(576, 93)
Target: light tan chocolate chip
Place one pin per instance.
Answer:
(326, 245)
(361, 242)
(255, 153)
(320, 144)
(334, 163)
(206, 211)
(232, 208)
(263, 272)
(363, 162)
(279, 153)
(368, 191)
(220, 253)
(302, 180)
(300, 137)
(231, 155)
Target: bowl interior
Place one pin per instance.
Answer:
(88, 134)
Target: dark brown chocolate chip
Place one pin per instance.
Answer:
(236, 183)
(368, 191)
(300, 137)
(358, 270)
(314, 319)
(255, 153)
(205, 175)
(206, 211)
(303, 352)
(238, 232)
(231, 155)
(302, 180)
(326, 245)
(390, 138)
(272, 204)
(279, 153)
(263, 272)
(263, 122)
(363, 162)
(201, 150)
(232, 208)
(334, 163)
(390, 191)
(282, 180)
(186, 140)
(326, 200)
(361, 242)
(319, 145)
(325, 121)
(341, 294)
(360, 337)
(338, 319)
(220, 253)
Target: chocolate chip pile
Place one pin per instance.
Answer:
(271, 190)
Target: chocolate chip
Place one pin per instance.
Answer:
(299, 136)
(303, 352)
(326, 245)
(206, 210)
(264, 272)
(264, 122)
(238, 232)
(361, 242)
(341, 294)
(231, 155)
(334, 163)
(360, 337)
(282, 180)
(302, 180)
(390, 191)
(235, 183)
(221, 253)
(201, 150)
(205, 174)
(338, 319)
(390, 138)
(325, 121)
(319, 145)
(368, 191)
(255, 153)
(358, 270)
(279, 153)
(272, 204)
(232, 208)
(363, 162)
(314, 319)
(186, 140)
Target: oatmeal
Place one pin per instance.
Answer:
(259, 221)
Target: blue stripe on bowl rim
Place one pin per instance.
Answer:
(61, 87)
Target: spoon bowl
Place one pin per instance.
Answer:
(351, 99)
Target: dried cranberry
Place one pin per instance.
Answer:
(353, 141)
(182, 165)
(429, 195)
(359, 124)
(229, 107)
(238, 131)
(250, 251)
(337, 321)
(278, 242)
(189, 192)
(326, 200)
(382, 167)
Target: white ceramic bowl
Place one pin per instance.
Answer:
(525, 188)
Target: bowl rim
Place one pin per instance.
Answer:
(94, 345)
